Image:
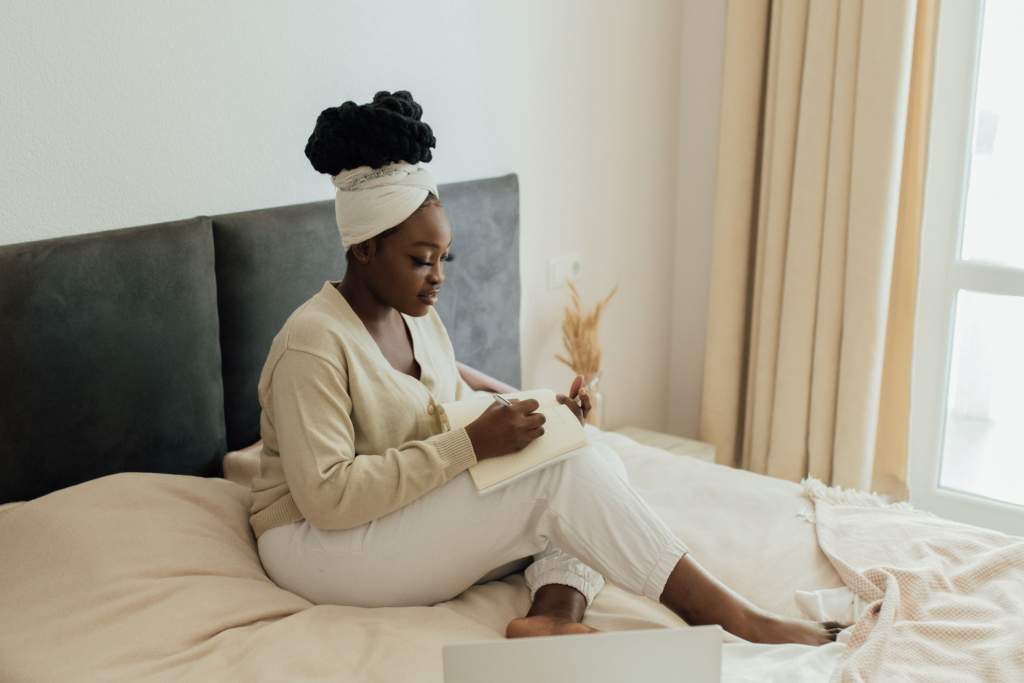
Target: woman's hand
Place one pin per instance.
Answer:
(582, 408)
(502, 429)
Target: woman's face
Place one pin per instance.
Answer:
(407, 266)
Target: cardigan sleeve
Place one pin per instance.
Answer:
(332, 486)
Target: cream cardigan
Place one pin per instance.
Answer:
(347, 438)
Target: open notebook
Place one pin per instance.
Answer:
(563, 434)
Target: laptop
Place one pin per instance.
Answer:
(690, 655)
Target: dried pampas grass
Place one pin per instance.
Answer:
(579, 335)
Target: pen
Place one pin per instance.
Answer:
(499, 397)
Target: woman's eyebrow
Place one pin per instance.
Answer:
(434, 244)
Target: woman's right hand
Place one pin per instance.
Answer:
(502, 429)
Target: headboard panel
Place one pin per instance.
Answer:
(268, 262)
(108, 360)
(139, 349)
(479, 301)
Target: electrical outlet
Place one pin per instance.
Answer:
(564, 269)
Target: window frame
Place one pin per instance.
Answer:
(942, 272)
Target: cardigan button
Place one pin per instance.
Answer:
(430, 409)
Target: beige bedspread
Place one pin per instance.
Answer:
(155, 577)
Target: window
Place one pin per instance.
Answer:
(967, 414)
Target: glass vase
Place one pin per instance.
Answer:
(596, 414)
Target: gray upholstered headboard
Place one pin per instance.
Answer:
(139, 349)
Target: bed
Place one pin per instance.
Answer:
(128, 436)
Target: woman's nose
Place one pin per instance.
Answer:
(436, 276)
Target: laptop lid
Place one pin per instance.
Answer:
(693, 655)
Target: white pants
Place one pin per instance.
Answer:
(580, 520)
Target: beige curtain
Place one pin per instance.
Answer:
(817, 216)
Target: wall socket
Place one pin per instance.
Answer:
(564, 269)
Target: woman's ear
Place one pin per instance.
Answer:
(364, 251)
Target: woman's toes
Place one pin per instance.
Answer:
(786, 630)
(528, 627)
(834, 628)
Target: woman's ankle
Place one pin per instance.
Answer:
(558, 601)
(701, 599)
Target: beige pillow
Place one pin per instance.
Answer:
(243, 465)
(115, 574)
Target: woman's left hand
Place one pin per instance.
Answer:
(582, 408)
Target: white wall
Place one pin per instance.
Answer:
(124, 113)
(702, 45)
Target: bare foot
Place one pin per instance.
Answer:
(543, 625)
(772, 629)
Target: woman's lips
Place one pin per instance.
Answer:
(429, 298)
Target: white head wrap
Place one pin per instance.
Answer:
(372, 200)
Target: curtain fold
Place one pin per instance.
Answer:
(890, 472)
(813, 189)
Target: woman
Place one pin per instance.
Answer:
(363, 500)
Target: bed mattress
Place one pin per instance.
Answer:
(146, 576)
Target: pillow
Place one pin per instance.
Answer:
(142, 576)
(243, 465)
(128, 570)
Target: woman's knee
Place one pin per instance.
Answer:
(613, 459)
(590, 462)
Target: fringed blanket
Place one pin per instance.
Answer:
(945, 601)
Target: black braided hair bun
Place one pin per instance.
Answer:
(372, 134)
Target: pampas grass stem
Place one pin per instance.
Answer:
(579, 335)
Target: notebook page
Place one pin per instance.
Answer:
(562, 433)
